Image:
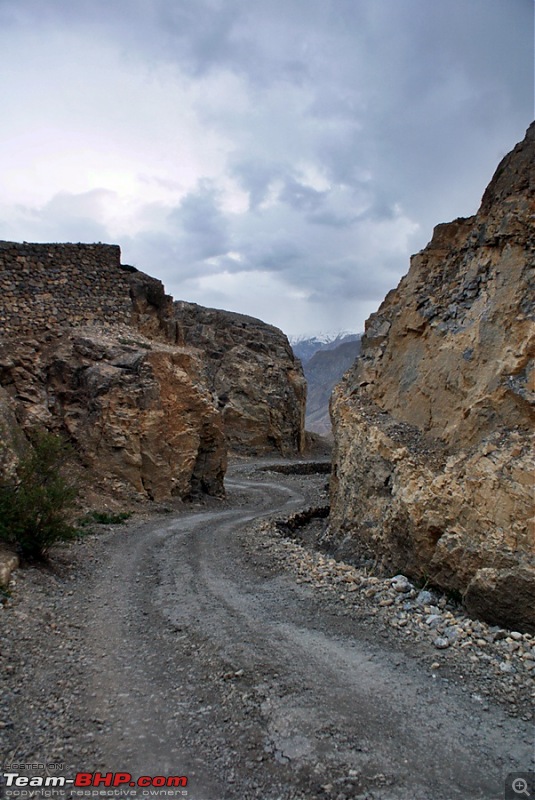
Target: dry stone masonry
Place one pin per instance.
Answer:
(46, 285)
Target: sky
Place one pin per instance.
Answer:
(280, 158)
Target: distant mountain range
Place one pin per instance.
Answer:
(325, 358)
(305, 346)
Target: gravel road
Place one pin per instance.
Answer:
(179, 646)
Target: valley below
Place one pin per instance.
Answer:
(206, 641)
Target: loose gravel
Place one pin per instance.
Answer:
(51, 713)
(496, 662)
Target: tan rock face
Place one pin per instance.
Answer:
(433, 472)
(149, 391)
(137, 413)
(251, 369)
(134, 405)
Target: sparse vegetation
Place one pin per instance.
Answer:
(35, 506)
(105, 518)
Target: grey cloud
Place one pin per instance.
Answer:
(301, 197)
(66, 217)
(331, 219)
(341, 103)
(165, 256)
(322, 281)
(200, 226)
(256, 176)
(202, 36)
(345, 153)
(354, 280)
(202, 33)
(281, 256)
(406, 107)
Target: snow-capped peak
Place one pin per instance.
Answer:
(305, 347)
(322, 338)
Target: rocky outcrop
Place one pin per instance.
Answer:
(433, 472)
(106, 372)
(250, 367)
(149, 391)
(135, 409)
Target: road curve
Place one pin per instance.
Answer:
(207, 661)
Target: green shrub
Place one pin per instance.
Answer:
(35, 508)
(105, 518)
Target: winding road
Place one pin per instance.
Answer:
(214, 664)
(183, 646)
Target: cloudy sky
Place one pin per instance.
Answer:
(282, 158)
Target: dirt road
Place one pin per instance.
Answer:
(182, 650)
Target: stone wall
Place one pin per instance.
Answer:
(43, 286)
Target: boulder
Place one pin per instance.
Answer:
(9, 562)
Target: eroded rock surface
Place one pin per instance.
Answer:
(136, 410)
(250, 366)
(433, 470)
(13, 443)
(149, 391)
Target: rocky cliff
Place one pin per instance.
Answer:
(146, 390)
(135, 407)
(433, 472)
(135, 410)
(251, 369)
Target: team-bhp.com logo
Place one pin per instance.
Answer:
(92, 780)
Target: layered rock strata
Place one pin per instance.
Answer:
(250, 367)
(433, 469)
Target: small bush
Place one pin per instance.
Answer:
(105, 518)
(35, 508)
